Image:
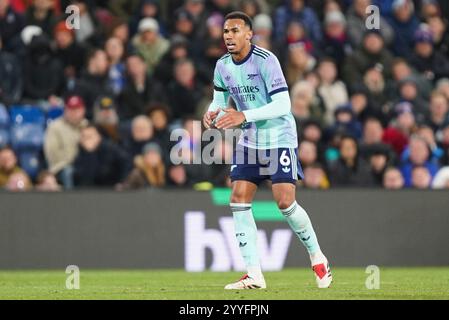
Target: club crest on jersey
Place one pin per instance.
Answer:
(251, 76)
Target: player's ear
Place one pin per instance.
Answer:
(249, 35)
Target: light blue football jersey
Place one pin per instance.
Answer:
(251, 83)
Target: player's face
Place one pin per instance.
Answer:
(236, 35)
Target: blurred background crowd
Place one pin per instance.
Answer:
(94, 107)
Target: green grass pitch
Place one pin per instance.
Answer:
(349, 283)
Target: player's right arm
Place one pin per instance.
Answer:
(219, 102)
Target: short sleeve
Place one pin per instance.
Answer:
(273, 76)
(218, 81)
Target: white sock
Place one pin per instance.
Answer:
(255, 272)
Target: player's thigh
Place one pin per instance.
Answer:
(284, 194)
(243, 191)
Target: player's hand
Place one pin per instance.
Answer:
(208, 117)
(231, 119)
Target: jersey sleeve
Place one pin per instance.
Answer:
(273, 76)
(221, 93)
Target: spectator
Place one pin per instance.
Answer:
(99, 162)
(441, 179)
(363, 106)
(335, 43)
(46, 182)
(18, 182)
(119, 29)
(117, 74)
(405, 23)
(421, 178)
(68, 51)
(145, 9)
(372, 134)
(185, 91)
(376, 86)
(393, 179)
(94, 81)
(149, 43)
(350, 170)
(372, 53)
(139, 91)
(88, 26)
(439, 112)
(401, 70)
(222, 6)
(8, 165)
(61, 140)
(379, 157)
(425, 59)
(408, 92)
(184, 26)
(11, 24)
(213, 45)
(306, 103)
(42, 14)
(299, 62)
(160, 115)
(295, 10)
(332, 91)
(308, 153)
(442, 86)
(106, 118)
(263, 26)
(345, 122)
(178, 50)
(400, 128)
(315, 177)
(420, 156)
(177, 176)
(11, 82)
(43, 74)
(142, 132)
(149, 169)
(357, 15)
(440, 32)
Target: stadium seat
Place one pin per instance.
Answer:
(4, 137)
(30, 162)
(28, 135)
(54, 113)
(26, 114)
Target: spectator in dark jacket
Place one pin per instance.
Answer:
(350, 170)
(11, 82)
(185, 92)
(296, 10)
(142, 132)
(336, 42)
(43, 75)
(11, 24)
(405, 23)
(425, 59)
(94, 81)
(373, 52)
(99, 163)
(139, 91)
(42, 14)
(68, 51)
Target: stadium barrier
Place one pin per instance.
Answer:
(194, 230)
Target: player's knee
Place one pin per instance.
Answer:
(239, 198)
(284, 202)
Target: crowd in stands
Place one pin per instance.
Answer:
(94, 106)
